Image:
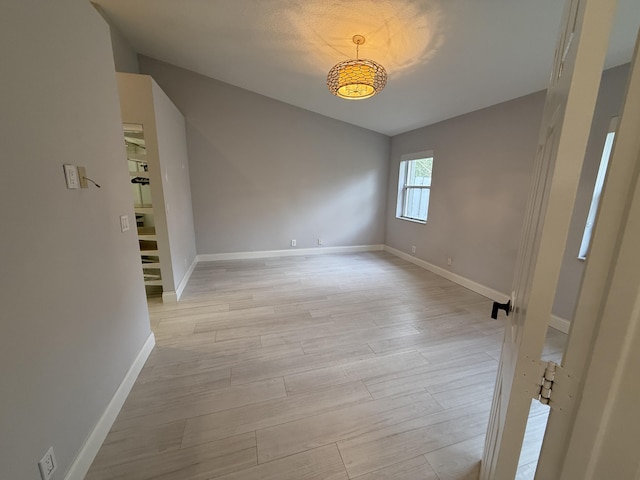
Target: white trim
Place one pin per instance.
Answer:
(89, 450)
(174, 297)
(559, 323)
(454, 277)
(556, 322)
(421, 222)
(169, 297)
(187, 276)
(407, 157)
(212, 257)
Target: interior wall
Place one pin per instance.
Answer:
(136, 104)
(72, 302)
(264, 172)
(481, 174)
(609, 104)
(142, 101)
(125, 57)
(176, 186)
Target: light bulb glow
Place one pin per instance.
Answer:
(356, 79)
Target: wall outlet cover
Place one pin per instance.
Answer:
(48, 464)
(71, 176)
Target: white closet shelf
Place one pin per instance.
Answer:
(142, 157)
(143, 209)
(151, 265)
(139, 174)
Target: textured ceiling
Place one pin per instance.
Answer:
(444, 57)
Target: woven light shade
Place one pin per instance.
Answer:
(356, 79)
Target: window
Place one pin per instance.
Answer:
(597, 189)
(414, 186)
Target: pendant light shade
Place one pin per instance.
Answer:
(356, 79)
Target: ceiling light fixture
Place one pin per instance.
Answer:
(356, 79)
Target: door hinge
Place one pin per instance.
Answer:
(551, 384)
(546, 383)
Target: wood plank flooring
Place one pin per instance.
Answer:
(358, 366)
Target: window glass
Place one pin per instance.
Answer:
(420, 172)
(414, 187)
(595, 198)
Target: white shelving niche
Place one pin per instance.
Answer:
(141, 190)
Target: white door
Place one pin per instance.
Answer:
(564, 132)
(605, 332)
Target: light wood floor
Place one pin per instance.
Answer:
(323, 367)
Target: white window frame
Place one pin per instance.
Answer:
(597, 189)
(403, 187)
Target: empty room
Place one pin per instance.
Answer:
(320, 240)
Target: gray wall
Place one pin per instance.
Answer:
(73, 310)
(264, 172)
(609, 104)
(481, 173)
(125, 57)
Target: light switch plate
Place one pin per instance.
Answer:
(124, 223)
(71, 176)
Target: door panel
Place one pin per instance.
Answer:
(564, 132)
(607, 235)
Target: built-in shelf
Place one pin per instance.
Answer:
(141, 157)
(148, 210)
(141, 174)
(147, 236)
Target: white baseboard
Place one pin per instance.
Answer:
(174, 297)
(169, 297)
(559, 323)
(212, 257)
(89, 450)
(556, 322)
(454, 277)
(185, 279)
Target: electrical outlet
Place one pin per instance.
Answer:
(449, 262)
(124, 223)
(293, 243)
(71, 176)
(320, 241)
(413, 249)
(48, 464)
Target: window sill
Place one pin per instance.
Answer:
(423, 222)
